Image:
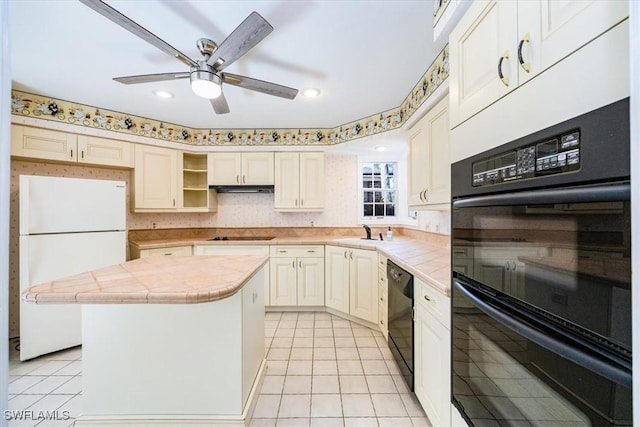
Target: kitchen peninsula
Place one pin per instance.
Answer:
(168, 341)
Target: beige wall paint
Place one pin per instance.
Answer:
(234, 210)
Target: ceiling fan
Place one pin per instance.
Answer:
(206, 75)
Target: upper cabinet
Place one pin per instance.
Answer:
(429, 164)
(155, 180)
(299, 181)
(53, 145)
(196, 195)
(241, 169)
(500, 44)
(168, 180)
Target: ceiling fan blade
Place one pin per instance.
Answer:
(246, 35)
(129, 25)
(259, 86)
(220, 105)
(146, 78)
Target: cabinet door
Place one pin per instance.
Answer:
(311, 180)
(363, 275)
(485, 36)
(438, 164)
(418, 157)
(43, 144)
(257, 168)
(283, 288)
(225, 169)
(433, 366)
(310, 281)
(155, 176)
(337, 278)
(556, 29)
(101, 151)
(287, 181)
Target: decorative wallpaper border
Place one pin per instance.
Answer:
(27, 104)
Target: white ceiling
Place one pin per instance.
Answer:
(364, 56)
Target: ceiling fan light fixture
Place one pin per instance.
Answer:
(206, 84)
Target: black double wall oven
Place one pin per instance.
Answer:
(541, 286)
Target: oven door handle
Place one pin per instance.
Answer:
(573, 353)
(580, 194)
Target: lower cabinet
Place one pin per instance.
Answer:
(351, 276)
(383, 295)
(297, 276)
(173, 250)
(432, 353)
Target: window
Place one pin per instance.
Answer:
(378, 190)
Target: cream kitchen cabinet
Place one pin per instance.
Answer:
(196, 195)
(336, 292)
(432, 351)
(383, 295)
(185, 250)
(299, 181)
(37, 143)
(429, 164)
(241, 169)
(352, 282)
(155, 179)
(297, 275)
(500, 44)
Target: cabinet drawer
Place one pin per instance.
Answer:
(382, 319)
(176, 250)
(299, 251)
(382, 263)
(382, 296)
(230, 250)
(436, 303)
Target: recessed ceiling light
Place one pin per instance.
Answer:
(310, 92)
(163, 94)
(381, 148)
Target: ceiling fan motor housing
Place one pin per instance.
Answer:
(204, 81)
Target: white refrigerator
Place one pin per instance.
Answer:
(67, 226)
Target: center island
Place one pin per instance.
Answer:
(168, 341)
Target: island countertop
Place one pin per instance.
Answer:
(152, 280)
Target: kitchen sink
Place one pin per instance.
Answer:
(237, 238)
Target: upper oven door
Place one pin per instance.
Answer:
(563, 251)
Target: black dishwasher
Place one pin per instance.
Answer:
(400, 312)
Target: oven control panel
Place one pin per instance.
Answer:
(559, 154)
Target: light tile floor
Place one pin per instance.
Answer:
(325, 371)
(322, 371)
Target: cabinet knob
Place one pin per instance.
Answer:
(506, 266)
(345, 254)
(427, 298)
(72, 153)
(243, 179)
(351, 254)
(293, 264)
(525, 65)
(505, 80)
(238, 179)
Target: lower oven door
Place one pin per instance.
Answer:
(512, 367)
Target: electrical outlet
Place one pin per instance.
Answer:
(154, 225)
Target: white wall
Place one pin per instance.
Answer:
(5, 117)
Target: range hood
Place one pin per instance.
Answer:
(242, 188)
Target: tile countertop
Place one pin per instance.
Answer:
(153, 280)
(430, 261)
